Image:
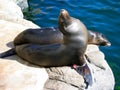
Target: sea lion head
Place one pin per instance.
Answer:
(98, 39)
(69, 25)
(102, 40)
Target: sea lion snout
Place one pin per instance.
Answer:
(64, 15)
(105, 43)
(98, 39)
(103, 40)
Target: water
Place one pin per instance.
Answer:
(98, 15)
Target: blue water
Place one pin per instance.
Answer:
(98, 15)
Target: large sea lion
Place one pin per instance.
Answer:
(71, 51)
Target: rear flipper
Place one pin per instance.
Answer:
(8, 53)
(85, 71)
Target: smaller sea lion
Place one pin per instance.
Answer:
(97, 39)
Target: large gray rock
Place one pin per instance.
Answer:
(17, 74)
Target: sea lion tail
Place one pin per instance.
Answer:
(8, 53)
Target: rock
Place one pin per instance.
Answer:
(64, 78)
(10, 8)
(17, 74)
(9, 11)
(21, 3)
(93, 53)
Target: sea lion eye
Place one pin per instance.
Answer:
(103, 36)
(98, 40)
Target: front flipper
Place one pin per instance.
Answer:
(85, 71)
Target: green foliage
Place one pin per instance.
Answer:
(117, 88)
(27, 14)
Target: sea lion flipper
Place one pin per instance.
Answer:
(85, 71)
(8, 53)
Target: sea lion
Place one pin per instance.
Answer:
(71, 51)
(97, 39)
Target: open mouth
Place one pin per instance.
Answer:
(106, 44)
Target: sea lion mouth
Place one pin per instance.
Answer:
(105, 44)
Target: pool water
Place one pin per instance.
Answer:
(98, 15)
